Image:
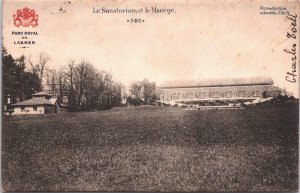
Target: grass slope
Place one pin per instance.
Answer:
(152, 149)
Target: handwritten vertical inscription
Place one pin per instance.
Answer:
(291, 75)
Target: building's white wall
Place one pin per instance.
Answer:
(29, 111)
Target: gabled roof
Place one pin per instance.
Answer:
(34, 102)
(53, 100)
(218, 82)
(41, 94)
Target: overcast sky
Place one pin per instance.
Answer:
(200, 40)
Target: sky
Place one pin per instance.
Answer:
(198, 40)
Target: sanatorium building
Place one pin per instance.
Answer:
(219, 89)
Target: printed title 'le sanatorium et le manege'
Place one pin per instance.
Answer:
(127, 10)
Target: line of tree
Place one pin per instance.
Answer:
(86, 87)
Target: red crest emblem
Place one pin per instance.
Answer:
(25, 17)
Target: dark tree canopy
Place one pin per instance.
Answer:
(19, 83)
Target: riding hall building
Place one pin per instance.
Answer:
(218, 89)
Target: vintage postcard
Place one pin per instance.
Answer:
(155, 96)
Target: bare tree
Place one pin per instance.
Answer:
(68, 79)
(30, 62)
(41, 66)
(87, 87)
(51, 77)
(68, 73)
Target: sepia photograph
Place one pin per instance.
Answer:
(150, 96)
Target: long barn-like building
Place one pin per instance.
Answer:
(218, 89)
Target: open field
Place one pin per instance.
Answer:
(153, 149)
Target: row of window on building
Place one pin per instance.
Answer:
(227, 94)
(33, 108)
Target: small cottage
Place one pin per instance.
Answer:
(39, 104)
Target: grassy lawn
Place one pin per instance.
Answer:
(152, 149)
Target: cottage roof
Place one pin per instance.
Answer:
(34, 102)
(53, 100)
(218, 82)
(41, 94)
